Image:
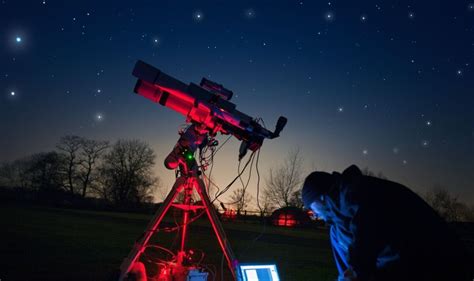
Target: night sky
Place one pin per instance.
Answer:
(386, 85)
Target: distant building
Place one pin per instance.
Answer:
(290, 217)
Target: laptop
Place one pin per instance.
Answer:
(258, 272)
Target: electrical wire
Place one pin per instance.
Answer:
(205, 161)
(233, 181)
(211, 160)
(264, 227)
(258, 181)
(244, 186)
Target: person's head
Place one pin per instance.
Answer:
(316, 187)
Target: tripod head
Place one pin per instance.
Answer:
(207, 106)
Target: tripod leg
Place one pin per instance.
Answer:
(140, 245)
(217, 227)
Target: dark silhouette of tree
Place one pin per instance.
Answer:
(284, 180)
(240, 199)
(367, 172)
(91, 152)
(265, 206)
(447, 205)
(469, 213)
(12, 174)
(44, 171)
(296, 200)
(70, 146)
(126, 172)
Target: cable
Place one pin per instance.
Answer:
(264, 228)
(258, 181)
(162, 248)
(213, 153)
(232, 182)
(244, 186)
(223, 143)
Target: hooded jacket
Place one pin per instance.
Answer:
(383, 231)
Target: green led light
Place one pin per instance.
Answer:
(188, 155)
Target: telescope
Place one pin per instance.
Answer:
(208, 108)
(206, 105)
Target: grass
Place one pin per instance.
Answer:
(62, 244)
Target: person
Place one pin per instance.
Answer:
(381, 230)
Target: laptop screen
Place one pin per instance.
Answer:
(261, 272)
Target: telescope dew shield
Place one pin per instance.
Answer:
(162, 88)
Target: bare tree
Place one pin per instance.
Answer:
(12, 174)
(296, 200)
(44, 171)
(367, 172)
(447, 205)
(7, 174)
(91, 152)
(70, 146)
(284, 180)
(126, 172)
(265, 206)
(240, 199)
(469, 213)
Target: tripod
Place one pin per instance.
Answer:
(189, 180)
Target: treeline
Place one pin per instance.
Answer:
(120, 175)
(283, 186)
(80, 168)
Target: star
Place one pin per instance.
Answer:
(329, 16)
(363, 18)
(428, 123)
(250, 13)
(425, 143)
(18, 39)
(365, 152)
(99, 91)
(12, 93)
(459, 72)
(404, 162)
(340, 109)
(198, 16)
(471, 7)
(99, 117)
(411, 15)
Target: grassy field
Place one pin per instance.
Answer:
(62, 244)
